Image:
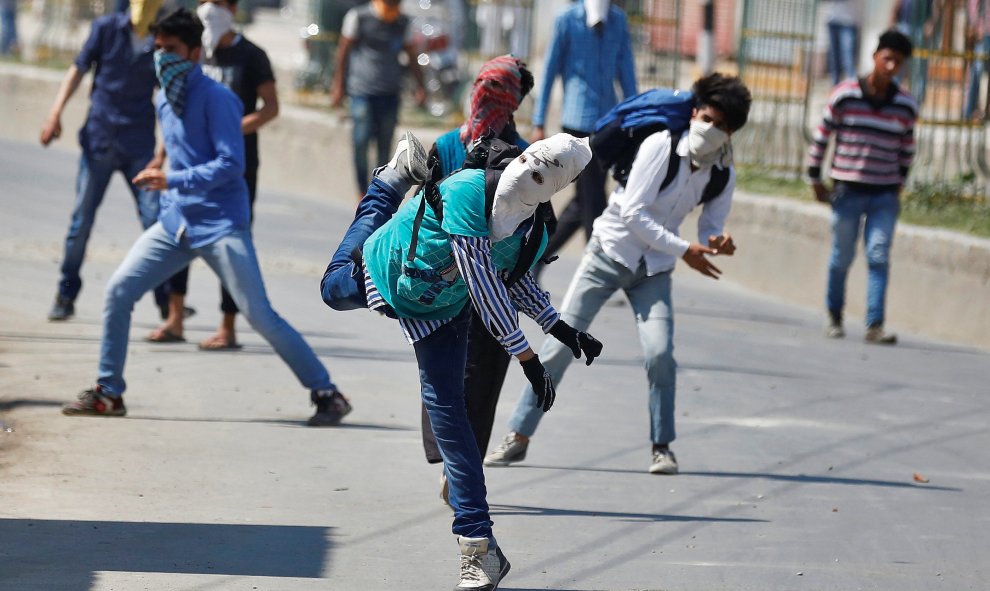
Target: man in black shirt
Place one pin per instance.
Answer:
(243, 67)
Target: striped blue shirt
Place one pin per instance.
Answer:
(495, 303)
(589, 63)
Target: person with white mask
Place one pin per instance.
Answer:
(635, 246)
(243, 67)
(118, 135)
(590, 52)
(432, 270)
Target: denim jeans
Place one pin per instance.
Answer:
(595, 280)
(8, 26)
(372, 117)
(342, 286)
(843, 47)
(155, 257)
(982, 53)
(877, 213)
(94, 176)
(442, 357)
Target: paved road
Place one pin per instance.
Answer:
(798, 453)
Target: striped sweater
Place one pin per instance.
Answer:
(874, 139)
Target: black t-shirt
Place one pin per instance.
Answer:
(242, 67)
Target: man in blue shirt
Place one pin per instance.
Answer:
(590, 50)
(204, 214)
(119, 133)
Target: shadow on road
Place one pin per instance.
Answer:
(282, 422)
(618, 515)
(66, 554)
(8, 405)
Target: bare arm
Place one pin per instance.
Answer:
(268, 111)
(52, 128)
(340, 71)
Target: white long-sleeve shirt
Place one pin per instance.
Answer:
(642, 222)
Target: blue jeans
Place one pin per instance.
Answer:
(155, 257)
(843, 45)
(595, 280)
(982, 51)
(850, 208)
(94, 175)
(8, 26)
(342, 286)
(442, 357)
(372, 117)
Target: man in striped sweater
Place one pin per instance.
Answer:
(873, 121)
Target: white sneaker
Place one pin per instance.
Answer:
(664, 462)
(877, 336)
(409, 159)
(510, 450)
(483, 565)
(834, 331)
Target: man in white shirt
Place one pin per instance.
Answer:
(634, 247)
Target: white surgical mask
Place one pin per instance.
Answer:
(708, 144)
(217, 21)
(596, 11)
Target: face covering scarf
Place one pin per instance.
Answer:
(709, 145)
(217, 22)
(143, 14)
(547, 166)
(596, 11)
(495, 96)
(172, 71)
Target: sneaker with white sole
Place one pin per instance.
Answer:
(664, 462)
(877, 336)
(483, 566)
(511, 450)
(409, 159)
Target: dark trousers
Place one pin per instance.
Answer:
(179, 283)
(487, 364)
(588, 203)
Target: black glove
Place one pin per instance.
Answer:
(577, 341)
(539, 378)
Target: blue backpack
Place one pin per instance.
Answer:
(619, 133)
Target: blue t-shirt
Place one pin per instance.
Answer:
(431, 287)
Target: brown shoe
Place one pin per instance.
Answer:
(94, 402)
(877, 336)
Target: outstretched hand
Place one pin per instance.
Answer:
(722, 244)
(695, 258)
(539, 378)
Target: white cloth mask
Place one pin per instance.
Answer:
(217, 22)
(547, 166)
(708, 145)
(596, 11)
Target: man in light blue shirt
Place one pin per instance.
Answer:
(590, 50)
(204, 213)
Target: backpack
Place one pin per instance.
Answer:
(619, 133)
(492, 155)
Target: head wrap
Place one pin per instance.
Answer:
(547, 166)
(495, 96)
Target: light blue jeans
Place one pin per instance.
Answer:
(596, 279)
(877, 214)
(155, 257)
(843, 47)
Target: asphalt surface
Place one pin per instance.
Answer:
(800, 456)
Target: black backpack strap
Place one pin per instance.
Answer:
(531, 243)
(431, 195)
(673, 163)
(716, 184)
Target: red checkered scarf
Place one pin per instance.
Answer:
(495, 95)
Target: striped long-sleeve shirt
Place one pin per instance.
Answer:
(492, 300)
(874, 138)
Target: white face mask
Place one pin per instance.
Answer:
(708, 144)
(217, 22)
(596, 11)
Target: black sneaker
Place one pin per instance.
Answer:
(63, 309)
(331, 407)
(94, 402)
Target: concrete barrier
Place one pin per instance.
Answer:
(940, 280)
